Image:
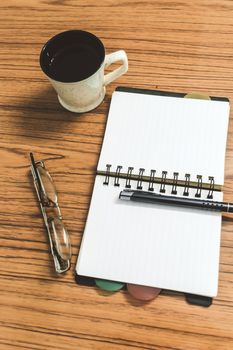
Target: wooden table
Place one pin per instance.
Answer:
(179, 46)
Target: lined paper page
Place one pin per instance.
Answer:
(150, 245)
(166, 133)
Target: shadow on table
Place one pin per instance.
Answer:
(43, 114)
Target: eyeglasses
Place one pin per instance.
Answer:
(47, 196)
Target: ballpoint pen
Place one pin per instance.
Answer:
(153, 198)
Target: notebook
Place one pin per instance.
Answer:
(160, 142)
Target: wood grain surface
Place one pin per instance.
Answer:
(179, 46)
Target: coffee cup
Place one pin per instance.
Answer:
(74, 61)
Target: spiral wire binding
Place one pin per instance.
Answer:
(106, 180)
(174, 183)
(152, 180)
(117, 177)
(128, 177)
(199, 186)
(140, 178)
(186, 185)
(163, 181)
(211, 189)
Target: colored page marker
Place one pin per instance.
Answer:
(109, 286)
(142, 292)
(197, 96)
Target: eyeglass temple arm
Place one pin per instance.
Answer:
(41, 193)
(44, 199)
(35, 172)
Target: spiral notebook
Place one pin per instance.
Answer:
(164, 143)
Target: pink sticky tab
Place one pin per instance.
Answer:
(142, 292)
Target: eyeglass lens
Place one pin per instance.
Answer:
(47, 183)
(60, 238)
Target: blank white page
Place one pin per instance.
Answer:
(152, 245)
(166, 133)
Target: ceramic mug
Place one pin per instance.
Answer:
(74, 62)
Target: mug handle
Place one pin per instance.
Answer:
(112, 58)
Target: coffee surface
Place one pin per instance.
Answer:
(74, 63)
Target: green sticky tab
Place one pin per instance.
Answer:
(109, 286)
(197, 95)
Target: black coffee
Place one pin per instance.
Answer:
(74, 63)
